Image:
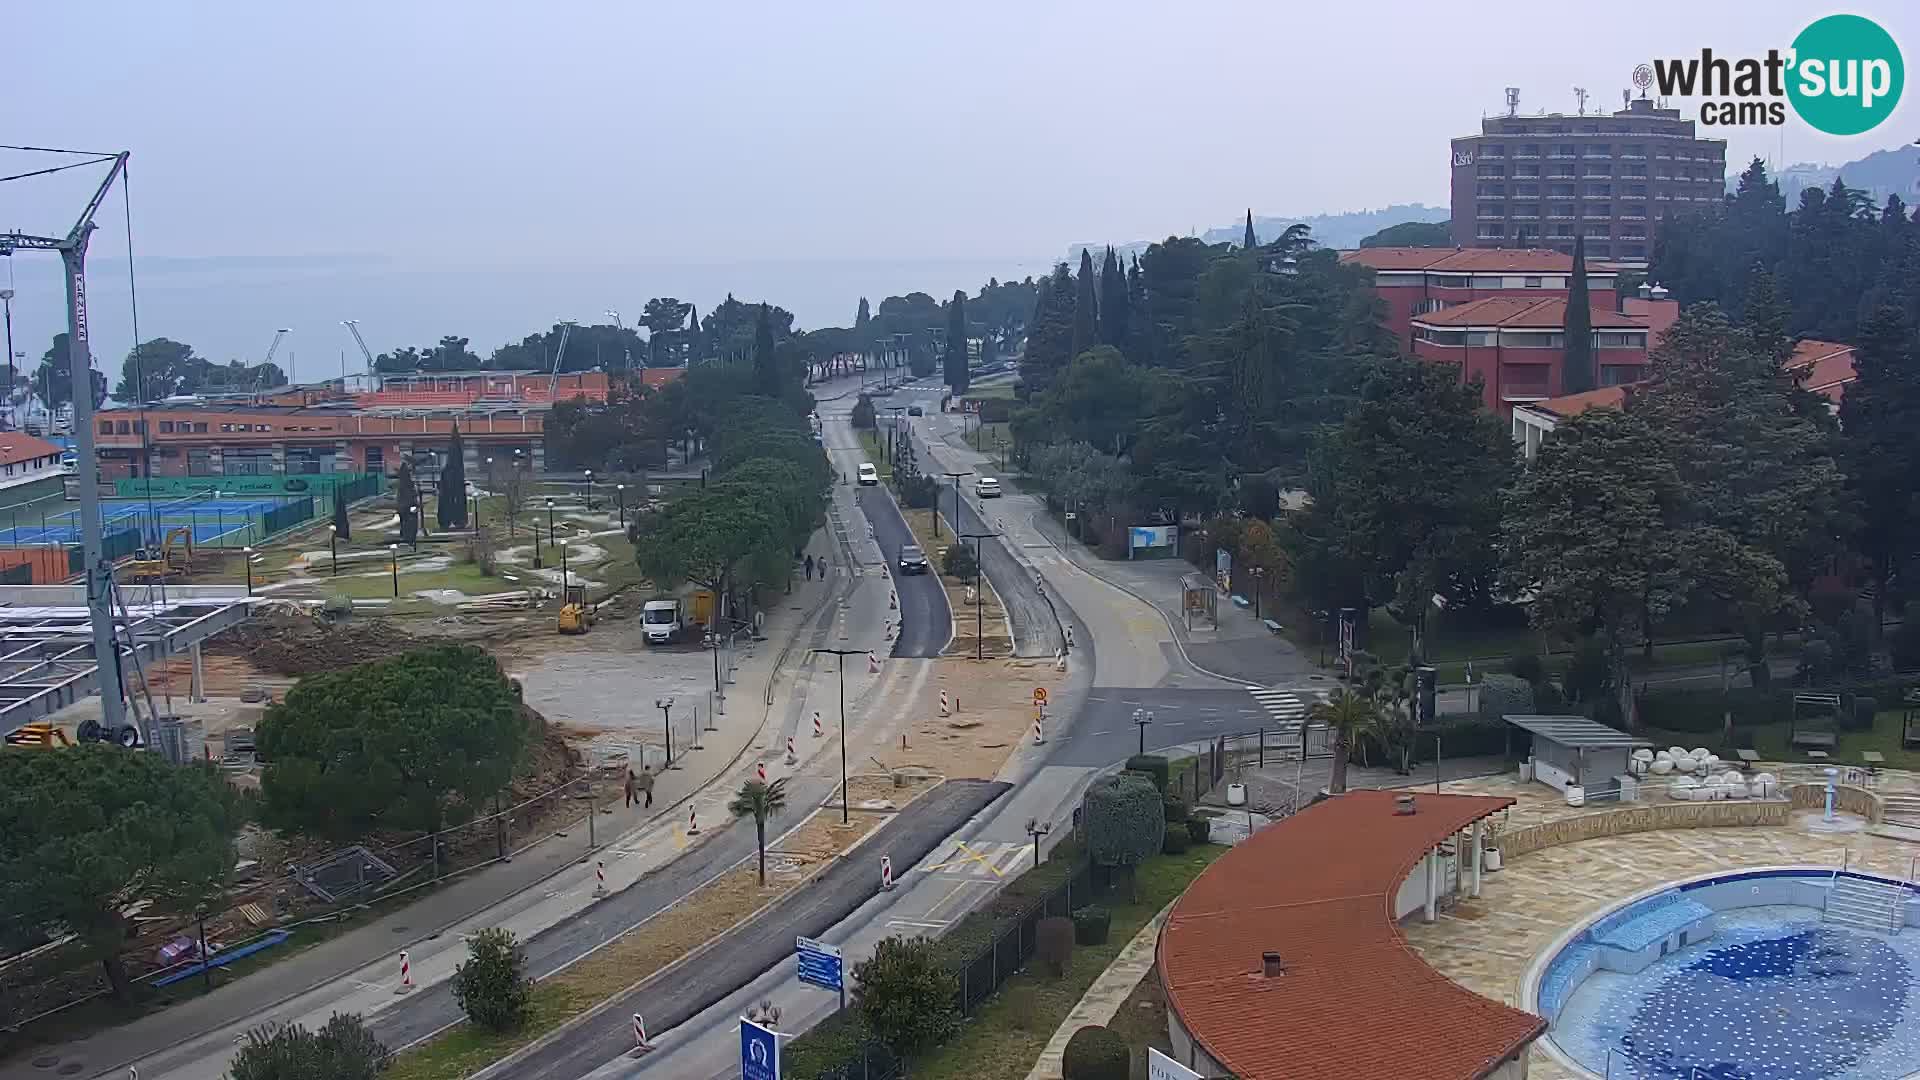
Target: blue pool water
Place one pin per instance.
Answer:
(1775, 994)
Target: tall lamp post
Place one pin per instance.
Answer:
(333, 546)
(955, 477)
(393, 560)
(846, 796)
(665, 705)
(1259, 574)
(1142, 718)
(979, 598)
(589, 489)
(246, 556)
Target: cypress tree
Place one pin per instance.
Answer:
(766, 371)
(1576, 373)
(407, 498)
(451, 506)
(1113, 302)
(1249, 241)
(693, 334)
(1085, 307)
(863, 328)
(956, 373)
(341, 526)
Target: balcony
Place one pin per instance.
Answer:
(1560, 214)
(1633, 217)
(1526, 157)
(1597, 195)
(1526, 217)
(1491, 155)
(1557, 156)
(1633, 157)
(1632, 236)
(1663, 157)
(1633, 176)
(1561, 196)
(1662, 177)
(1491, 215)
(1562, 176)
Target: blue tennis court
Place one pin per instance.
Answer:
(218, 522)
(237, 530)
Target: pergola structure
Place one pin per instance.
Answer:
(47, 658)
(1574, 751)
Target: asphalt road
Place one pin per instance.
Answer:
(926, 623)
(764, 942)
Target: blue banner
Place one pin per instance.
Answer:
(759, 1052)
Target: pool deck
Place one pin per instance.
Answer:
(1488, 944)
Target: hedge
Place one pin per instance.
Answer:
(1703, 710)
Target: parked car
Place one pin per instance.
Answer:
(869, 476)
(915, 410)
(987, 487)
(913, 560)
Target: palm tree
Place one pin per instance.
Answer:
(760, 801)
(1349, 715)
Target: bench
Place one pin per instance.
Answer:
(1272, 627)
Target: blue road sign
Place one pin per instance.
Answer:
(759, 1052)
(819, 963)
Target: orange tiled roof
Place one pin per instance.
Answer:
(1355, 1002)
(18, 446)
(1828, 366)
(1569, 406)
(1523, 312)
(1468, 260)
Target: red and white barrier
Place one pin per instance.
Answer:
(873, 663)
(893, 600)
(599, 880)
(817, 729)
(1039, 734)
(406, 975)
(886, 873)
(946, 706)
(640, 1041)
(760, 771)
(791, 756)
(693, 821)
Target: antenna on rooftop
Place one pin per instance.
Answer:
(1626, 98)
(1580, 95)
(1513, 100)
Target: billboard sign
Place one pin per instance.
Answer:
(759, 1052)
(819, 963)
(1162, 1067)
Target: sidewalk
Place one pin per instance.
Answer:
(356, 971)
(1241, 649)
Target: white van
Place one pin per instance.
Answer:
(869, 476)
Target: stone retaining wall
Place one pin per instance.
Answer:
(1847, 799)
(1645, 817)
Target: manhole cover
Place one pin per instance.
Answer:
(46, 1061)
(69, 1068)
(399, 929)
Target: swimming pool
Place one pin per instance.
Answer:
(1741, 977)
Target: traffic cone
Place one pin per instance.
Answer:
(792, 758)
(946, 708)
(817, 729)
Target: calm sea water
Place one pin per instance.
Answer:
(228, 308)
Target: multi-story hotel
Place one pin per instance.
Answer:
(1539, 181)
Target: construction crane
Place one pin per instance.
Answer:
(353, 327)
(278, 336)
(625, 350)
(553, 380)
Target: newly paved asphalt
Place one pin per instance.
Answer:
(926, 623)
(763, 942)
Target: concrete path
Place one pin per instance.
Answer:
(542, 885)
(1104, 998)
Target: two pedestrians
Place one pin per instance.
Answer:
(640, 787)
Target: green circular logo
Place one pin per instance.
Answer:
(1846, 75)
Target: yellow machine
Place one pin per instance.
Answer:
(39, 734)
(576, 614)
(145, 568)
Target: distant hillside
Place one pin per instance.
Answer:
(1883, 173)
(1329, 230)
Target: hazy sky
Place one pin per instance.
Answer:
(521, 134)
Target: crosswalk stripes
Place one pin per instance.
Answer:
(1285, 706)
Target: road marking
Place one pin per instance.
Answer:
(971, 856)
(940, 924)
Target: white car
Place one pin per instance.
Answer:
(987, 487)
(869, 476)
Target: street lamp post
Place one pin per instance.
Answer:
(979, 598)
(246, 556)
(955, 477)
(563, 572)
(393, 560)
(846, 796)
(1141, 719)
(1259, 573)
(333, 546)
(620, 493)
(665, 705)
(589, 489)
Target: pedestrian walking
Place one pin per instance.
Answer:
(809, 565)
(630, 786)
(646, 787)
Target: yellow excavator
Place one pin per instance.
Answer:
(577, 615)
(148, 566)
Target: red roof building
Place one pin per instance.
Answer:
(1284, 960)
(1416, 281)
(1827, 367)
(1516, 346)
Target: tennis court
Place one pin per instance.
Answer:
(214, 522)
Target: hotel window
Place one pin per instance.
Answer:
(1483, 337)
(166, 427)
(121, 427)
(200, 427)
(1533, 283)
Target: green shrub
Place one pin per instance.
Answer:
(1176, 841)
(343, 1049)
(958, 562)
(1124, 820)
(1589, 676)
(1154, 765)
(1090, 925)
(1528, 668)
(1173, 810)
(1504, 695)
(1053, 944)
(491, 985)
(863, 413)
(1096, 1053)
(1200, 829)
(905, 992)
(1465, 735)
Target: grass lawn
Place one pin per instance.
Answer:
(1005, 1037)
(870, 442)
(983, 438)
(1142, 1021)
(1771, 741)
(992, 390)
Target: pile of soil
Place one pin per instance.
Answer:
(295, 642)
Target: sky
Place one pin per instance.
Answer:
(483, 163)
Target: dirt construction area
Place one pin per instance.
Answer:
(990, 715)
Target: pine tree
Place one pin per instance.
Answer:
(451, 506)
(1050, 331)
(1113, 302)
(766, 369)
(1577, 372)
(1249, 242)
(1085, 307)
(956, 368)
(1878, 418)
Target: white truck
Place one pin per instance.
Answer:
(662, 621)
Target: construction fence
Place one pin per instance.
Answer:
(259, 913)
